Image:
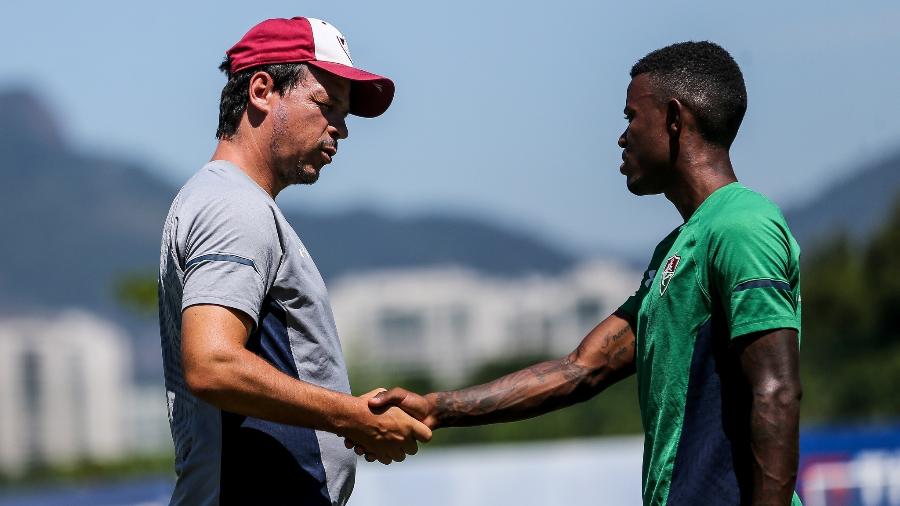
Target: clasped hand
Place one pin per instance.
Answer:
(406, 410)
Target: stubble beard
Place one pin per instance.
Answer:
(308, 173)
(302, 172)
(305, 173)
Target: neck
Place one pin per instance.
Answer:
(698, 175)
(248, 156)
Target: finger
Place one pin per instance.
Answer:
(384, 460)
(359, 450)
(396, 453)
(370, 457)
(421, 431)
(349, 443)
(410, 447)
(372, 393)
(393, 396)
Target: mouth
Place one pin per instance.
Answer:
(328, 153)
(622, 166)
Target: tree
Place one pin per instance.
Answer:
(850, 356)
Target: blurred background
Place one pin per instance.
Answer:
(480, 225)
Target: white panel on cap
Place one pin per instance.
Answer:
(330, 43)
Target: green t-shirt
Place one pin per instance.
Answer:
(732, 269)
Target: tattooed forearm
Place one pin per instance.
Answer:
(604, 357)
(523, 394)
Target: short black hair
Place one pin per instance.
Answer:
(234, 95)
(705, 78)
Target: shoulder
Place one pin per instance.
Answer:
(220, 209)
(743, 213)
(217, 194)
(745, 228)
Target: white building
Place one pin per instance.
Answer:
(64, 380)
(449, 321)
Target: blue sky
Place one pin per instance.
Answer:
(506, 110)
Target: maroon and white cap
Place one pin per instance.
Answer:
(317, 43)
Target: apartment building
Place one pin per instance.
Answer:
(64, 382)
(449, 321)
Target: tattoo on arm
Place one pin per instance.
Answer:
(605, 356)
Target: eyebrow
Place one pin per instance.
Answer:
(323, 96)
(344, 104)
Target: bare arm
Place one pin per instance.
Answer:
(605, 356)
(770, 364)
(220, 370)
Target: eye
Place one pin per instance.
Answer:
(325, 106)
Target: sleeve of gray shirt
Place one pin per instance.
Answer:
(230, 249)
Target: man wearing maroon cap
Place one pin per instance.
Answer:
(256, 383)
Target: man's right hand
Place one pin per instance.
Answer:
(387, 434)
(220, 370)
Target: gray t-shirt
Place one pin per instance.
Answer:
(225, 242)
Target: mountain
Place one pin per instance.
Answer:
(71, 221)
(856, 204)
(363, 240)
(74, 223)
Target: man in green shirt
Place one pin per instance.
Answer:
(713, 329)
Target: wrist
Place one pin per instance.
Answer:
(352, 415)
(436, 416)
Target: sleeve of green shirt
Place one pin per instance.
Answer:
(754, 269)
(632, 305)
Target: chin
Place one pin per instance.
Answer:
(308, 178)
(634, 186)
(639, 187)
(306, 175)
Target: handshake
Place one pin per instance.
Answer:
(397, 420)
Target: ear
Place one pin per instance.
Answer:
(260, 92)
(674, 117)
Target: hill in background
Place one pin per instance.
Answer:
(74, 223)
(856, 204)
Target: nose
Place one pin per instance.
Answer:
(622, 141)
(339, 129)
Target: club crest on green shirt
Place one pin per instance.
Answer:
(668, 272)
